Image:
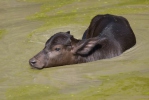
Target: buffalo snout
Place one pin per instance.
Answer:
(38, 61)
(32, 61)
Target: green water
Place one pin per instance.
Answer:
(27, 24)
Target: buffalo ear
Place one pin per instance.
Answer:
(86, 46)
(68, 32)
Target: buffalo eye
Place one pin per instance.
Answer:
(57, 49)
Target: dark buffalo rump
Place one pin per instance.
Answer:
(107, 36)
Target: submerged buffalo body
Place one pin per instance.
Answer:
(106, 37)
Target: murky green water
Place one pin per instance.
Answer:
(25, 25)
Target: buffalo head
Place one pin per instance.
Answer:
(63, 49)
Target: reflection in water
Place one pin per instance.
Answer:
(26, 25)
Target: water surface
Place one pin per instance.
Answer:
(27, 24)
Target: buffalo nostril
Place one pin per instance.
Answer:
(32, 61)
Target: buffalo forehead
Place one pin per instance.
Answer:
(58, 39)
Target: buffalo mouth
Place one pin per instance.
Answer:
(35, 67)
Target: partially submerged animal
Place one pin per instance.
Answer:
(106, 37)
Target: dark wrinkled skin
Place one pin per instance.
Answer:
(106, 37)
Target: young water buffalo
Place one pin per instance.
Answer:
(106, 37)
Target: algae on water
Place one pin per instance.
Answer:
(110, 79)
(2, 33)
(56, 13)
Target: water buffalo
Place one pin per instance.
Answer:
(106, 37)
